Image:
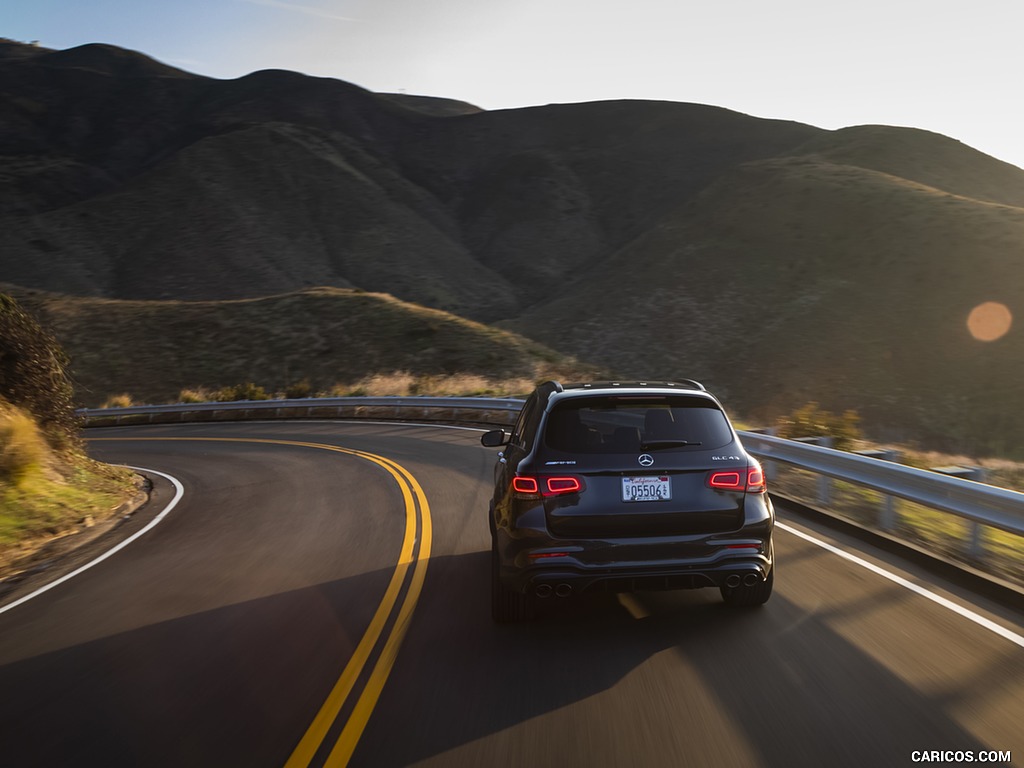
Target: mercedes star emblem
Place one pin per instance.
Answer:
(646, 460)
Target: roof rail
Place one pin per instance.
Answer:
(692, 383)
(687, 383)
(549, 388)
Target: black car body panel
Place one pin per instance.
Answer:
(628, 486)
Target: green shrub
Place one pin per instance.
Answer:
(33, 373)
(811, 421)
(247, 391)
(299, 390)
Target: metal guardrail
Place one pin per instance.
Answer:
(475, 410)
(975, 502)
(985, 504)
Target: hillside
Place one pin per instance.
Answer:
(780, 262)
(132, 180)
(924, 157)
(153, 350)
(795, 280)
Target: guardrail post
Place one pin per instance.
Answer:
(888, 515)
(770, 468)
(975, 531)
(976, 537)
(824, 481)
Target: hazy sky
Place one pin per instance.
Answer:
(956, 68)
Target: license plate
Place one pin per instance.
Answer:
(646, 489)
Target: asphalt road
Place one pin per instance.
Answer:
(267, 619)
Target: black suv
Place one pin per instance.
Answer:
(626, 486)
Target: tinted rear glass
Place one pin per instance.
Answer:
(623, 424)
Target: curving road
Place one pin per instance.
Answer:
(268, 619)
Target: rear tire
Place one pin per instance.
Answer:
(507, 605)
(749, 597)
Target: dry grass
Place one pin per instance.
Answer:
(45, 494)
(1004, 473)
(23, 449)
(394, 384)
(195, 395)
(123, 400)
(403, 383)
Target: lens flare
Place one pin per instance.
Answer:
(989, 321)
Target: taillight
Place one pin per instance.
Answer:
(528, 486)
(755, 479)
(727, 481)
(558, 485)
(749, 479)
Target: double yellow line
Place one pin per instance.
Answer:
(415, 554)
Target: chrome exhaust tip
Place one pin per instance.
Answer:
(733, 580)
(563, 590)
(751, 579)
(543, 591)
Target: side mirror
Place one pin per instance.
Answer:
(493, 439)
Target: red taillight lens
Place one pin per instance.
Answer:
(525, 485)
(755, 479)
(755, 547)
(749, 479)
(726, 481)
(558, 485)
(546, 555)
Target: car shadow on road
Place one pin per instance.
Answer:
(668, 678)
(673, 678)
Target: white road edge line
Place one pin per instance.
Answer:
(966, 613)
(179, 492)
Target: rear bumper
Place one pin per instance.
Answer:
(573, 577)
(532, 561)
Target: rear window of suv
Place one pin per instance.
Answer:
(631, 424)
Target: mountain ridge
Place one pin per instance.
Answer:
(777, 261)
(325, 337)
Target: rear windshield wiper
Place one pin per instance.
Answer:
(655, 444)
